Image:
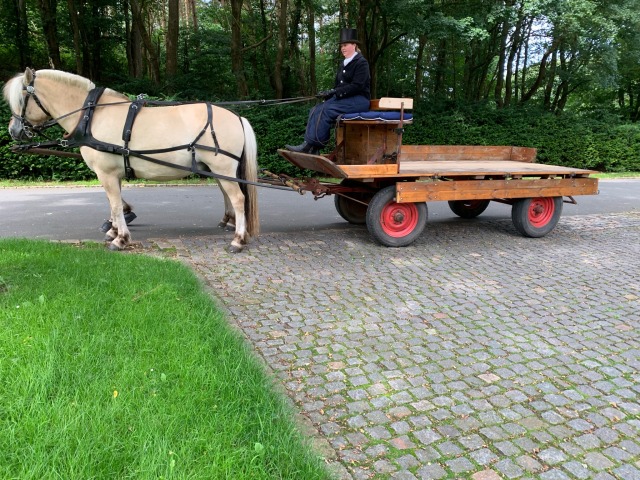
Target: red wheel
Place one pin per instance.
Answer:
(535, 217)
(395, 224)
(398, 219)
(540, 211)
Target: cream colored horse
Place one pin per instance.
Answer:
(36, 97)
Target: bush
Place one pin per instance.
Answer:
(19, 166)
(604, 144)
(568, 139)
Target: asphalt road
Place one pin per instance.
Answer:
(76, 213)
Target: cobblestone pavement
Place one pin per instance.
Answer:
(474, 353)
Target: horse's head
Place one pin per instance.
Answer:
(26, 115)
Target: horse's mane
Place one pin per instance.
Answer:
(13, 93)
(13, 88)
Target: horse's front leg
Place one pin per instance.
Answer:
(118, 235)
(129, 216)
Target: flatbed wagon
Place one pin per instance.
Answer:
(387, 185)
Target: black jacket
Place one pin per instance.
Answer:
(354, 79)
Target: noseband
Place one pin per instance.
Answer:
(30, 129)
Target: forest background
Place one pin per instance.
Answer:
(559, 75)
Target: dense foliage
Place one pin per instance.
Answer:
(604, 144)
(563, 76)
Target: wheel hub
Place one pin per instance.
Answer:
(398, 217)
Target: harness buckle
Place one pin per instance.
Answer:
(30, 89)
(63, 143)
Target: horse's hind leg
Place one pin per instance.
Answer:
(228, 221)
(235, 197)
(127, 210)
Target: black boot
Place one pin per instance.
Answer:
(302, 148)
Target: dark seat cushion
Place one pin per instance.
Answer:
(376, 115)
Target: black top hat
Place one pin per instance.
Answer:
(349, 35)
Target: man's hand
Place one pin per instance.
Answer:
(326, 94)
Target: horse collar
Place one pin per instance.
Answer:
(81, 134)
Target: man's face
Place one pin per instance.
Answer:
(348, 49)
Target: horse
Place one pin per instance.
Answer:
(182, 137)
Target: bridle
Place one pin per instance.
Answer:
(30, 129)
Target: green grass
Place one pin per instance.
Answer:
(120, 366)
(618, 175)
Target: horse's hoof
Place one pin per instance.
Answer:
(109, 238)
(234, 249)
(129, 217)
(106, 226)
(114, 248)
(222, 225)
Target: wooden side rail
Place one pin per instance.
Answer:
(415, 153)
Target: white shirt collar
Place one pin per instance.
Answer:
(347, 60)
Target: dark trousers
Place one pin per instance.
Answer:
(323, 116)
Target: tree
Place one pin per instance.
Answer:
(173, 29)
(237, 60)
(48, 15)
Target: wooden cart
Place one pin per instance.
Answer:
(386, 185)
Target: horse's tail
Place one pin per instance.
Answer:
(249, 171)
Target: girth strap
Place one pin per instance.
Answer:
(134, 109)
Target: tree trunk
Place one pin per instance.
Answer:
(439, 70)
(313, 81)
(94, 45)
(282, 42)
(514, 55)
(419, 70)
(133, 45)
(77, 37)
(173, 28)
(551, 74)
(22, 34)
(502, 54)
(50, 27)
(541, 74)
(295, 64)
(237, 63)
(152, 55)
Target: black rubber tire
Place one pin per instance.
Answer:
(395, 224)
(468, 208)
(536, 217)
(352, 211)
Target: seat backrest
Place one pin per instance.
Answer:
(391, 103)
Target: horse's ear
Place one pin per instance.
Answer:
(28, 76)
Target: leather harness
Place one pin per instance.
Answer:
(81, 136)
